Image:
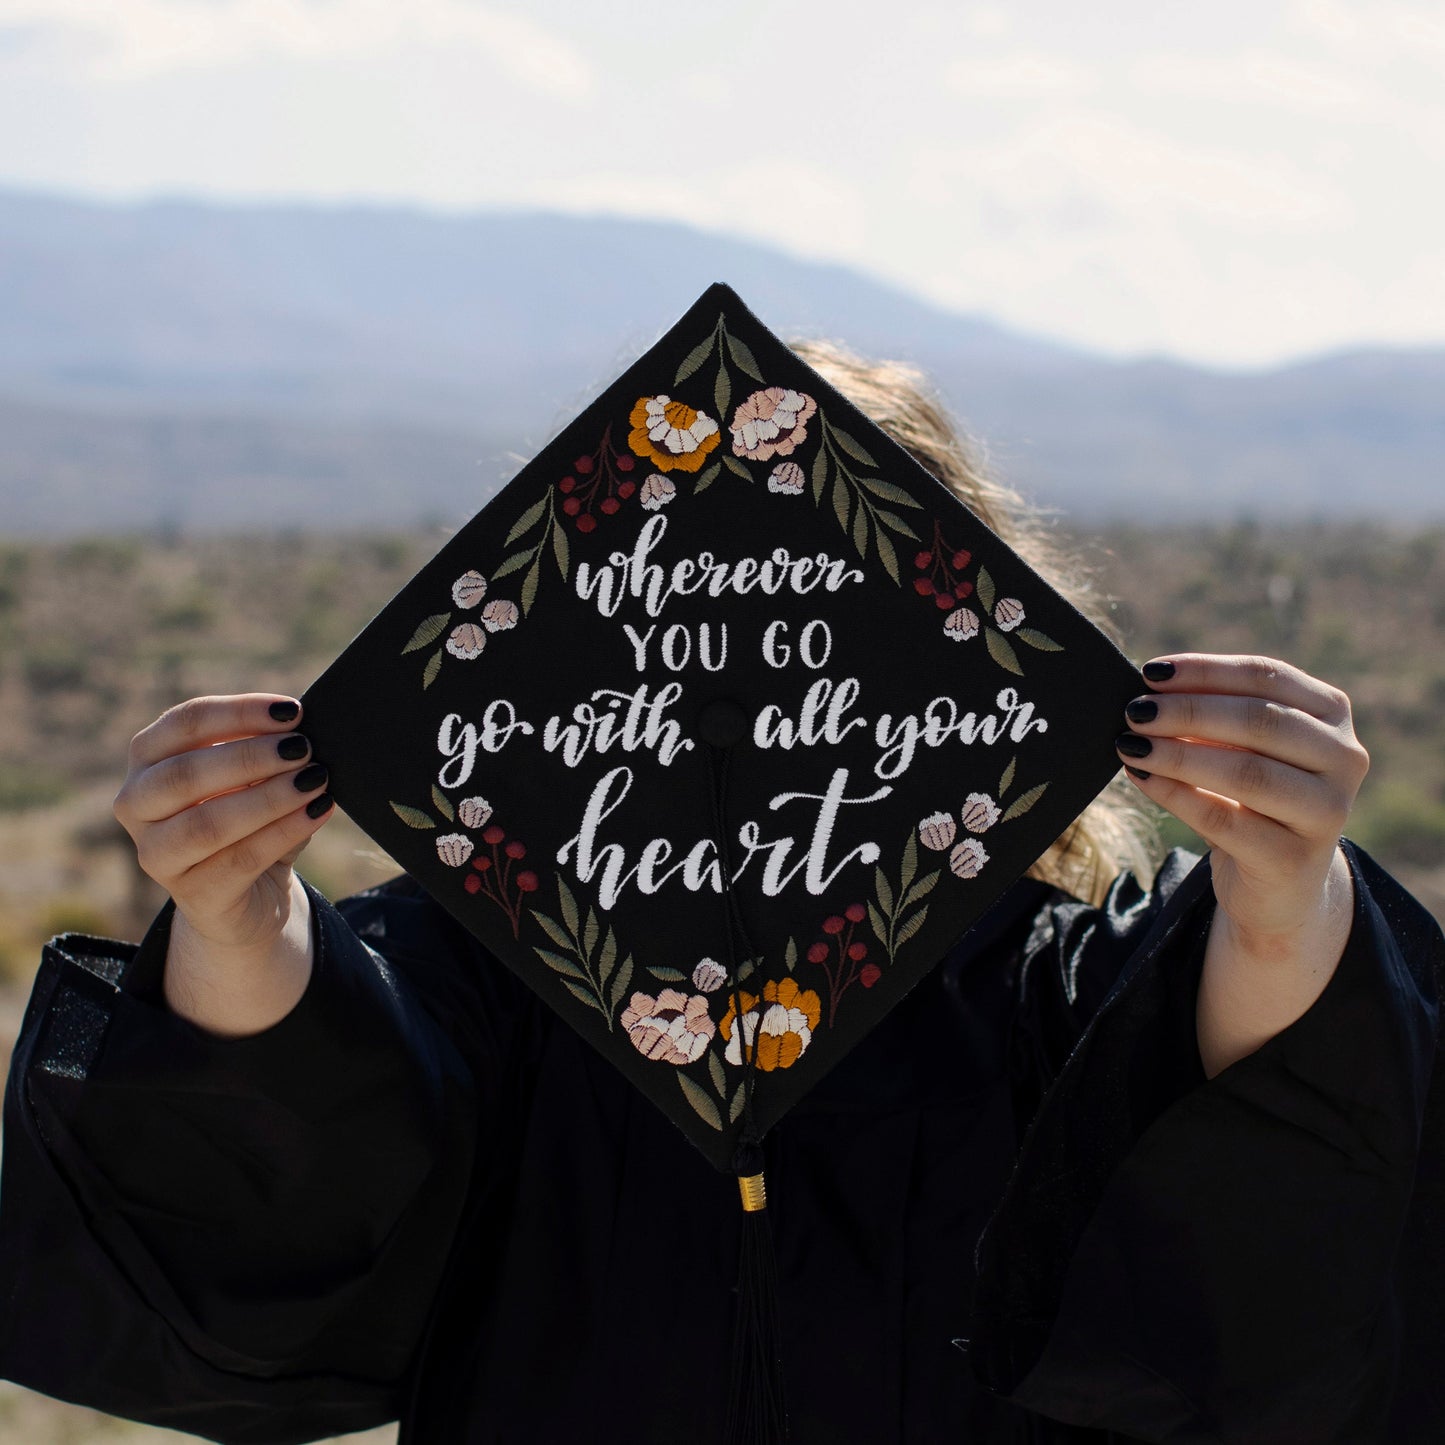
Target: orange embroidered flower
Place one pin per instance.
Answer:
(671, 434)
(782, 1031)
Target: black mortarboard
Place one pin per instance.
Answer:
(720, 724)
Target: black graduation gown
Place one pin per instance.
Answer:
(1017, 1203)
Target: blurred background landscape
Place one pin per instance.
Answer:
(289, 289)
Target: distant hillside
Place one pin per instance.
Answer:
(374, 365)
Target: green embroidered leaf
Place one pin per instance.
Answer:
(608, 959)
(432, 668)
(736, 467)
(526, 521)
(889, 491)
(739, 1099)
(569, 907)
(887, 555)
(985, 588)
(590, 934)
(514, 563)
(555, 932)
(1023, 803)
(840, 500)
(851, 447)
(715, 1072)
(790, 955)
(561, 551)
(884, 890)
(695, 358)
(1035, 638)
(708, 477)
(529, 584)
(1001, 651)
(920, 889)
(860, 530)
(667, 975)
(820, 476)
(413, 817)
(621, 982)
(427, 632)
(879, 924)
(743, 357)
(747, 968)
(908, 929)
(722, 392)
(910, 862)
(440, 803)
(1006, 782)
(583, 994)
(892, 519)
(701, 1102)
(560, 964)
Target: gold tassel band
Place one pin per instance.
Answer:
(754, 1192)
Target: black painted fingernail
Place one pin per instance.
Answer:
(312, 777)
(1142, 709)
(1130, 744)
(1137, 772)
(1158, 671)
(285, 711)
(317, 806)
(292, 747)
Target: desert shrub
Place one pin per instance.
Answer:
(23, 786)
(56, 665)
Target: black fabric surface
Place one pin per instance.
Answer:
(422, 1194)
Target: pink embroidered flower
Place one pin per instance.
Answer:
(467, 641)
(669, 1029)
(937, 831)
(968, 858)
(657, 492)
(454, 849)
(961, 624)
(980, 813)
(1008, 614)
(469, 589)
(787, 478)
(771, 423)
(474, 812)
(709, 976)
(499, 616)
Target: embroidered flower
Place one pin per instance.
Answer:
(968, 858)
(937, 831)
(669, 1029)
(657, 492)
(709, 976)
(467, 641)
(1008, 614)
(454, 849)
(771, 423)
(961, 624)
(474, 812)
(786, 477)
(469, 589)
(781, 1032)
(980, 813)
(671, 434)
(500, 616)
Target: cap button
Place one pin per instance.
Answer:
(721, 723)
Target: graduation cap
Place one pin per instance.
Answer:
(720, 724)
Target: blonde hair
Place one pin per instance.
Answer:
(1113, 832)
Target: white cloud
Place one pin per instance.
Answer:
(1021, 75)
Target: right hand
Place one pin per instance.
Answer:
(218, 815)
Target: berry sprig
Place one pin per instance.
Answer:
(597, 483)
(940, 572)
(494, 877)
(843, 958)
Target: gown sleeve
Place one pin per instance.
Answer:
(240, 1237)
(1185, 1259)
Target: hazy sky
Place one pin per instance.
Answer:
(1234, 181)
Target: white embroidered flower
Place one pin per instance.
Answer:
(961, 624)
(474, 812)
(469, 589)
(786, 477)
(1008, 614)
(968, 858)
(499, 615)
(454, 849)
(709, 976)
(937, 831)
(980, 813)
(657, 492)
(467, 641)
(671, 434)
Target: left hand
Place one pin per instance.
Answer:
(1261, 760)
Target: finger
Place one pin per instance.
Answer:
(1248, 676)
(1223, 823)
(1264, 727)
(1304, 802)
(179, 843)
(225, 875)
(188, 778)
(202, 721)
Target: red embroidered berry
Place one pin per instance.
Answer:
(572, 506)
(583, 465)
(818, 953)
(923, 560)
(610, 505)
(494, 835)
(923, 586)
(944, 600)
(515, 849)
(855, 913)
(964, 589)
(833, 924)
(625, 463)
(869, 974)
(527, 882)
(482, 863)
(566, 484)
(472, 883)
(962, 559)
(857, 951)
(587, 523)
(626, 489)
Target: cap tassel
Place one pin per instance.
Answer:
(757, 1410)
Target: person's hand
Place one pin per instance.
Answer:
(220, 797)
(1261, 760)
